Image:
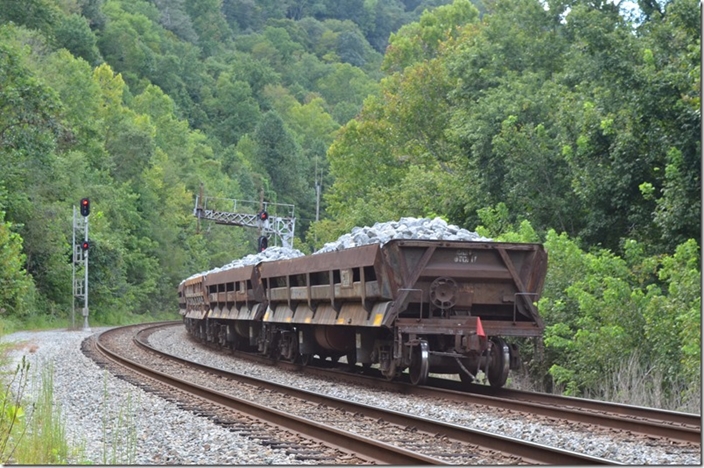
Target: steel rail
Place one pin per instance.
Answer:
(653, 421)
(363, 446)
(532, 452)
(642, 420)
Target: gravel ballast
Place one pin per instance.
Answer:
(118, 423)
(379, 233)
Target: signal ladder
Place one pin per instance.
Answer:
(240, 213)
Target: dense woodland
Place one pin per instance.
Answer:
(574, 123)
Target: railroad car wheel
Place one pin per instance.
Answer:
(222, 336)
(390, 371)
(289, 346)
(499, 361)
(418, 371)
(234, 343)
(352, 359)
(388, 368)
(306, 359)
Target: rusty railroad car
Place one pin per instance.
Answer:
(428, 306)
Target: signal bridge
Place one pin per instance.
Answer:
(240, 213)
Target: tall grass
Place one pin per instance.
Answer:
(12, 413)
(119, 433)
(43, 438)
(634, 384)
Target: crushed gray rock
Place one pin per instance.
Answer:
(271, 254)
(380, 233)
(117, 423)
(405, 228)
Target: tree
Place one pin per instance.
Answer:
(74, 34)
(233, 112)
(172, 16)
(399, 147)
(345, 84)
(31, 133)
(125, 43)
(421, 40)
(92, 11)
(350, 48)
(280, 157)
(33, 14)
(16, 293)
(210, 25)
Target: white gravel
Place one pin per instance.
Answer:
(404, 228)
(118, 423)
(271, 254)
(379, 233)
(105, 415)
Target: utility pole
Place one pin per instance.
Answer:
(317, 191)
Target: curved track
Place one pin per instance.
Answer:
(277, 428)
(406, 439)
(646, 422)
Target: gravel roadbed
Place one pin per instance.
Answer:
(117, 423)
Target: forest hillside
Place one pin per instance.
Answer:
(573, 123)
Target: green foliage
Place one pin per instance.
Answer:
(12, 413)
(33, 14)
(673, 316)
(525, 118)
(74, 33)
(567, 116)
(600, 309)
(209, 23)
(16, 287)
(422, 40)
(611, 318)
(279, 157)
(44, 435)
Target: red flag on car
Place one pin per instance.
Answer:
(480, 329)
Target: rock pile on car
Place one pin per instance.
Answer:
(380, 233)
(271, 254)
(405, 228)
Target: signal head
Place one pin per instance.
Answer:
(263, 215)
(85, 206)
(262, 243)
(85, 245)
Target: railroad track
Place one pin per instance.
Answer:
(354, 432)
(638, 420)
(642, 421)
(243, 417)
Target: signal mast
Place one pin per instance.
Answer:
(80, 261)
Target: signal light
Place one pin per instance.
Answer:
(85, 245)
(263, 215)
(85, 207)
(262, 244)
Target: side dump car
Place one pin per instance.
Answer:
(429, 306)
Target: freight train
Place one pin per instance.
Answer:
(425, 306)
